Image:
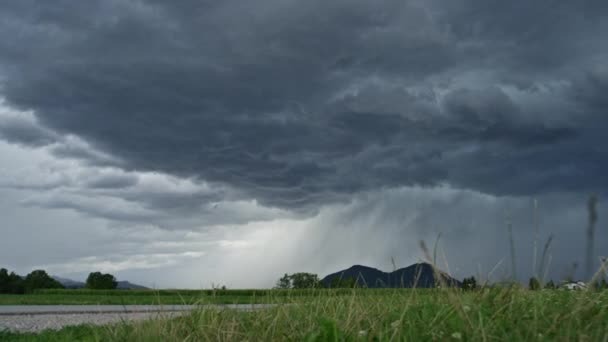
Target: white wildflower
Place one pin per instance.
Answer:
(457, 335)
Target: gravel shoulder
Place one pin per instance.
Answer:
(75, 309)
(36, 318)
(39, 322)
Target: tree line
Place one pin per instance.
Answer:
(303, 280)
(12, 283)
(470, 283)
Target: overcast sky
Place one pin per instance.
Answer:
(191, 143)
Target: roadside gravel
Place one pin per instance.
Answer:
(39, 322)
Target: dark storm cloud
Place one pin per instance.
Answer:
(301, 103)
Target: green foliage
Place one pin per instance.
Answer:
(300, 280)
(500, 314)
(550, 285)
(39, 279)
(11, 283)
(99, 281)
(67, 334)
(141, 297)
(304, 280)
(328, 332)
(284, 282)
(533, 284)
(469, 283)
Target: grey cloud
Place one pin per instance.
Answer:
(301, 104)
(94, 206)
(75, 148)
(26, 132)
(112, 181)
(120, 197)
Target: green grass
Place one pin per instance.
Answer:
(377, 315)
(68, 334)
(143, 297)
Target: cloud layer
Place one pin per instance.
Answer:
(300, 104)
(199, 114)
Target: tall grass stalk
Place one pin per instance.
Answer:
(511, 247)
(592, 210)
(543, 260)
(536, 237)
(435, 248)
(600, 273)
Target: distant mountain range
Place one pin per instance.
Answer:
(69, 283)
(74, 284)
(419, 275)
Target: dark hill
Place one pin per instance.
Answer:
(418, 275)
(365, 276)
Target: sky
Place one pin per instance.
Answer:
(195, 143)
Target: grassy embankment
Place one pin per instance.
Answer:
(376, 315)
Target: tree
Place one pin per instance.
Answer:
(15, 284)
(550, 285)
(4, 284)
(534, 284)
(99, 281)
(284, 282)
(304, 280)
(39, 279)
(301, 280)
(11, 283)
(469, 283)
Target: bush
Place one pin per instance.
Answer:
(534, 284)
(469, 283)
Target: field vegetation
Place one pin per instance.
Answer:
(486, 314)
(505, 311)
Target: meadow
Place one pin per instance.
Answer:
(128, 297)
(487, 314)
(153, 297)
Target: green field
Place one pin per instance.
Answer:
(143, 297)
(375, 315)
(120, 297)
